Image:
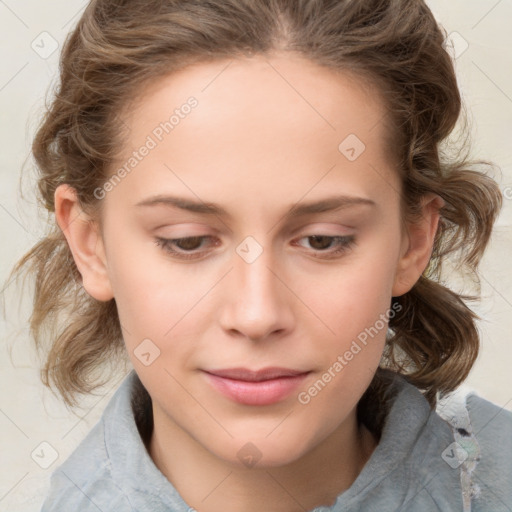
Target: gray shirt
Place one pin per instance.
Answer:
(455, 458)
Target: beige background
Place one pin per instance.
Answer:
(30, 415)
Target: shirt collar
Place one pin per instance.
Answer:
(408, 417)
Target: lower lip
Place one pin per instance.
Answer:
(265, 392)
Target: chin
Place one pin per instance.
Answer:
(261, 453)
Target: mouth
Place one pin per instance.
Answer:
(256, 387)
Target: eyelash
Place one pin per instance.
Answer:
(345, 243)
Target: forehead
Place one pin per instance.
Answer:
(271, 85)
(262, 125)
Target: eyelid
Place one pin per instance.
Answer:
(323, 228)
(347, 243)
(166, 243)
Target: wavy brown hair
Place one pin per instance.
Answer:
(118, 46)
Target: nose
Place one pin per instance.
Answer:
(256, 303)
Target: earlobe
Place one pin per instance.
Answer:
(85, 243)
(418, 246)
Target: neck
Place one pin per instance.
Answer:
(210, 484)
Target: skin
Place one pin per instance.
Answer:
(256, 145)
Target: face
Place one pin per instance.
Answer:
(252, 250)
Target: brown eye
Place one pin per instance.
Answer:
(190, 243)
(326, 246)
(321, 242)
(184, 248)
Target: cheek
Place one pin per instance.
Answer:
(357, 313)
(152, 294)
(353, 296)
(355, 303)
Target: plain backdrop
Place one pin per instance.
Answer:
(37, 432)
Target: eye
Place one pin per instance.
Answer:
(184, 246)
(325, 243)
(189, 248)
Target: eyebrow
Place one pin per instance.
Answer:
(297, 210)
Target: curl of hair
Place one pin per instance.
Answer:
(118, 46)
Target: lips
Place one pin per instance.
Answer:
(256, 376)
(256, 387)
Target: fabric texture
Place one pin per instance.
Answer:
(455, 458)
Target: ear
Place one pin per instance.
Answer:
(85, 243)
(418, 245)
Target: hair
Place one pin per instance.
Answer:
(118, 46)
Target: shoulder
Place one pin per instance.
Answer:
(490, 421)
(111, 469)
(85, 480)
(483, 448)
(492, 426)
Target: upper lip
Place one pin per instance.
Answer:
(256, 375)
